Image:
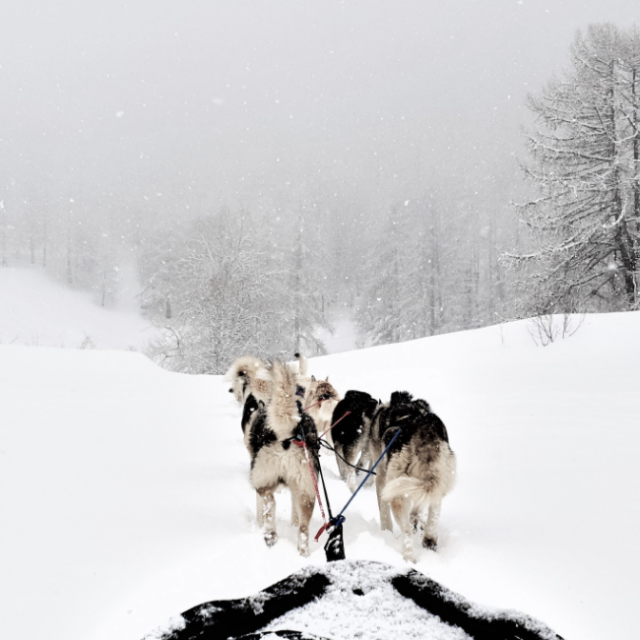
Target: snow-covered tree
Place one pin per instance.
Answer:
(384, 315)
(585, 161)
(223, 287)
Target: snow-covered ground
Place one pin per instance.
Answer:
(342, 337)
(125, 496)
(37, 311)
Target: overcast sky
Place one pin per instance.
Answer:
(235, 97)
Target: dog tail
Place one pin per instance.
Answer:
(303, 364)
(422, 491)
(282, 410)
(245, 366)
(413, 489)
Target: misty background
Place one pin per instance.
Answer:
(250, 173)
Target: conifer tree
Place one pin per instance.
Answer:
(585, 224)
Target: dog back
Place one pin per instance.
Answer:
(350, 428)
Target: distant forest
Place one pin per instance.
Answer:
(403, 256)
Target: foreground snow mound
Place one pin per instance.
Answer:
(348, 599)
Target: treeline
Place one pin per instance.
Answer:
(264, 279)
(412, 257)
(62, 236)
(233, 282)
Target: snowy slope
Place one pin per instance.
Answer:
(37, 311)
(125, 497)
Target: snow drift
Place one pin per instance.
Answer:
(125, 495)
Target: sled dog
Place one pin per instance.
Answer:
(352, 433)
(251, 383)
(320, 399)
(418, 470)
(277, 461)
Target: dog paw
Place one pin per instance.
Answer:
(270, 537)
(430, 543)
(409, 556)
(407, 551)
(303, 545)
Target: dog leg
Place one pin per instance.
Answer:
(305, 507)
(430, 539)
(342, 466)
(351, 455)
(295, 516)
(259, 510)
(352, 482)
(269, 516)
(385, 512)
(365, 463)
(417, 521)
(401, 513)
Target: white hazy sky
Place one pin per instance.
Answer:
(238, 95)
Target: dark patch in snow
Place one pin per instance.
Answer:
(348, 599)
(237, 618)
(281, 633)
(474, 620)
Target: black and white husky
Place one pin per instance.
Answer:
(250, 384)
(352, 418)
(277, 460)
(418, 470)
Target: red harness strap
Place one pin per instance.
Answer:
(321, 530)
(315, 404)
(303, 444)
(342, 417)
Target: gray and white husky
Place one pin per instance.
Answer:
(320, 396)
(418, 470)
(320, 399)
(277, 461)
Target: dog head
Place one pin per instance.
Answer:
(247, 375)
(321, 391)
(400, 397)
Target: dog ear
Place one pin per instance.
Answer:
(326, 379)
(313, 378)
